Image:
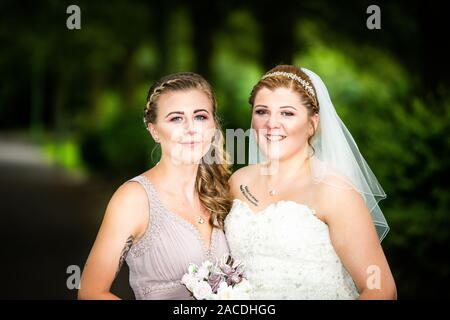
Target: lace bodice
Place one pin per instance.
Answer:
(287, 252)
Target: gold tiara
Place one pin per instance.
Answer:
(292, 76)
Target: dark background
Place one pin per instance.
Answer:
(71, 105)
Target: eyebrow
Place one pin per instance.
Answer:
(283, 107)
(182, 112)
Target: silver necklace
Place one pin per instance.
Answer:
(273, 191)
(200, 220)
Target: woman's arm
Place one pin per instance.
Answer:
(125, 219)
(357, 244)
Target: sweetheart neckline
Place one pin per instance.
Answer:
(276, 203)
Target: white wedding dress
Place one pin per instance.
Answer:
(287, 253)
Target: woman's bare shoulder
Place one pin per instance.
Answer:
(130, 193)
(241, 176)
(128, 206)
(244, 174)
(338, 198)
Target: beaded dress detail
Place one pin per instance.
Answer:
(159, 259)
(287, 253)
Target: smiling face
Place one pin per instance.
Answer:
(185, 125)
(282, 123)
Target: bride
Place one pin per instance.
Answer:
(305, 218)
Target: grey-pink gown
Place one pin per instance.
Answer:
(162, 255)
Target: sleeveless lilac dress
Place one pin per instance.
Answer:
(159, 259)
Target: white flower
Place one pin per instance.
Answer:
(192, 268)
(202, 290)
(203, 272)
(207, 264)
(240, 291)
(190, 281)
(223, 286)
(212, 296)
(225, 292)
(200, 280)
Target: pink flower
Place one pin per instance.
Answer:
(232, 269)
(214, 281)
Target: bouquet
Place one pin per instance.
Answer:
(223, 280)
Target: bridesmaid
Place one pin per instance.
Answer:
(172, 214)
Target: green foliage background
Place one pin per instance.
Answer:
(81, 94)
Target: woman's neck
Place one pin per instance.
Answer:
(285, 170)
(175, 177)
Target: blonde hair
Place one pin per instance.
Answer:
(212, 176)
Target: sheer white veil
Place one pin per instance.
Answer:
(337, 155)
